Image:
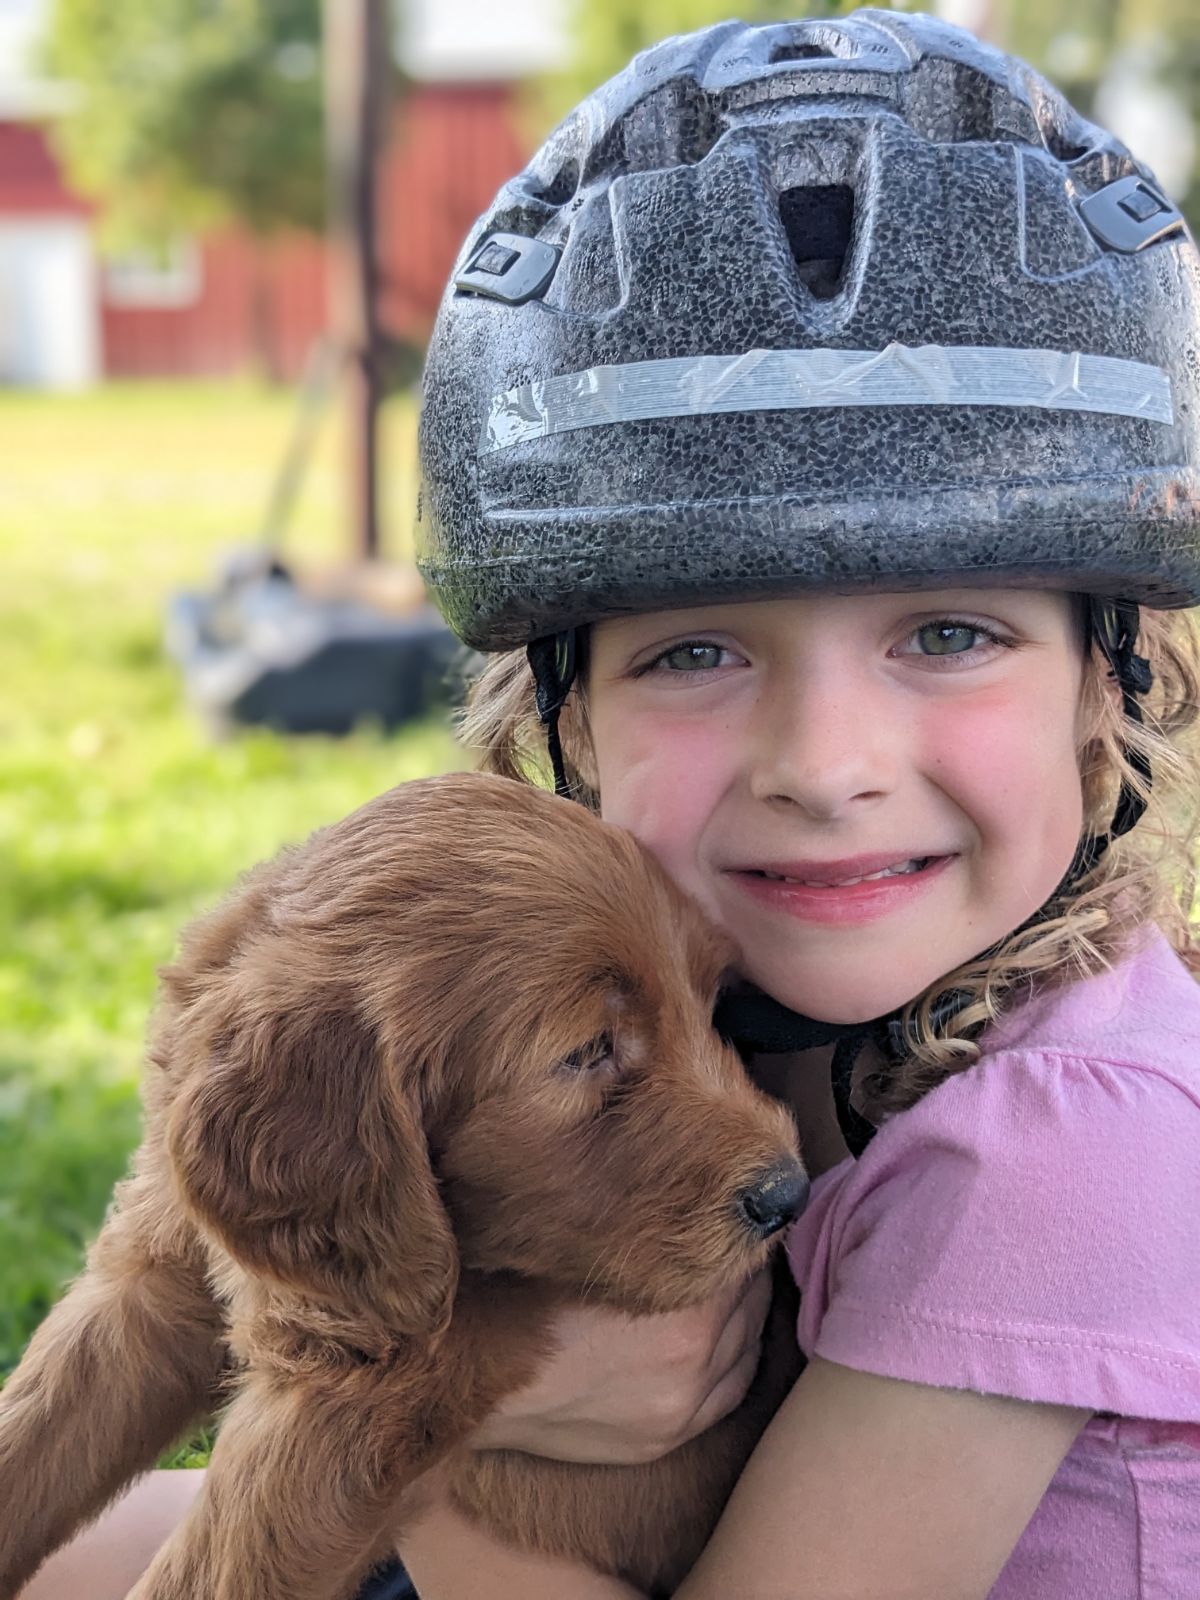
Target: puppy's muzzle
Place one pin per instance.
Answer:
(777, 1198)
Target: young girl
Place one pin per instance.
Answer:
(822, 403)
(825, 439)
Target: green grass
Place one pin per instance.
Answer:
(119, 818)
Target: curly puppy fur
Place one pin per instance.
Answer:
(413, 1086)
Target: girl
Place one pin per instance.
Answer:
(821, 402)
(810, 406)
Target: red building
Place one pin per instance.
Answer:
(225, 301)
(49, 319)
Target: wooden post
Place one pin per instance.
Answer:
(358, 52)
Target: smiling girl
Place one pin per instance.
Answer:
(810, 435)
(873, 782)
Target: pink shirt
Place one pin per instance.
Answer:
(1032, 1228)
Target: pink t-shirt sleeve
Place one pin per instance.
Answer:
(1031, 1228)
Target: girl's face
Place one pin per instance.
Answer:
(864, 790)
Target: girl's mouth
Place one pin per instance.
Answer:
(901, 869)
(852, 891)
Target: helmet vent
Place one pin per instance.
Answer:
(818, 220)
(811, 41)
(799, 52)
(561, 187)
(1061, 146)
(676, 126)
(951, 102)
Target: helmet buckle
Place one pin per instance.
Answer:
(509, 267)
(1129, 215)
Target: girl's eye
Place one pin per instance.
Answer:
(947, 637)
(693, 655)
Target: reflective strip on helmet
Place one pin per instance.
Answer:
(786, 380)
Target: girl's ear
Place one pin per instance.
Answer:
(303, 1152)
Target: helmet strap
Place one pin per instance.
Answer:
(1112, 626)
(554, 663)
(756, 1024)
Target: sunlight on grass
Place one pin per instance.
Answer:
(119, 819)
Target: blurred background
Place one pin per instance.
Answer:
(224, 229)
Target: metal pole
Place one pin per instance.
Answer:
(357, 70)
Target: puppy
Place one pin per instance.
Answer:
(414, 1086)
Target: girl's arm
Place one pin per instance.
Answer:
(867, 1488)
(863, 1488)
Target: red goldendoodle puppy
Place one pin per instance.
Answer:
(413, 1086)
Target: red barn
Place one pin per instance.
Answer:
(49, 321)
(219, 303)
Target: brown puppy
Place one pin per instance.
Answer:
(414, 1085)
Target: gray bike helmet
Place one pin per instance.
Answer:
(813, 304)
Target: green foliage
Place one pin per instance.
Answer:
(1079, 47)
(191, 110)
(118, 819)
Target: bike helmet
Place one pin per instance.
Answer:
(813, 304)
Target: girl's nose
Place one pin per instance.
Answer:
(825, 744)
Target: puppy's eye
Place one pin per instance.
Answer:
(593, 1056)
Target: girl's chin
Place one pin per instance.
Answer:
(824, 1003)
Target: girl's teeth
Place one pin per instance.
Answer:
(900, 870)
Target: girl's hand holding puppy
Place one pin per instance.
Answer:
(625, 1390)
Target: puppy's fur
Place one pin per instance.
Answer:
(412, 1087)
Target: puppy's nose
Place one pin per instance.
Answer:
(777, 1198)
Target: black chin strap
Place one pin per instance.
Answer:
(752, 1021)
(553, 662)
(1113, 629)
(756, 1024)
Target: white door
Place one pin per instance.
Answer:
(49, 320)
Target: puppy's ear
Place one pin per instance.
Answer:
(299, 1147)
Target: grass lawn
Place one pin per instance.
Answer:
(118, 817)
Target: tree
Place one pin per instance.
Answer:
(1099, 54)
(193, 111)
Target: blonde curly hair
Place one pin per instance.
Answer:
(1148, 875)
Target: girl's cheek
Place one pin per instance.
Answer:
(1008, 760)
(661, 781)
